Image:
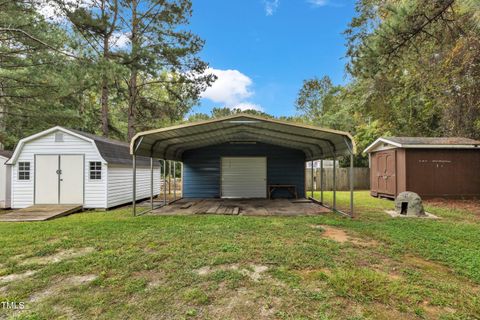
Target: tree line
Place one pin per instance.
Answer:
(106, 66)
(414, 69)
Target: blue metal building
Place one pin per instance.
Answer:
(202, 168)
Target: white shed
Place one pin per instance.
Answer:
(5, 179)
(64, 166)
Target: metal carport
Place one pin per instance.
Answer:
(168, 144)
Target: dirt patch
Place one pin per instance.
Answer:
(59, 256)
(66, 312)
(435, 312)
(16, 276)
(154, 278)
(62, 284)
(472, 206)
(341, 236)
(242, 303)
(427, 265)
(81, 280)
(335, 234)
(380, 311)
(203, 271)
(253, 271)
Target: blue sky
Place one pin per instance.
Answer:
(262, 50)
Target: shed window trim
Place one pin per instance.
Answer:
(95, 170)
(24, 170)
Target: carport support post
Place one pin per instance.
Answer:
(169, 177)
(151, 183)
(164, 182)
(311, 182)
(334, 182)
(181, 177)
(351, 184)
(175, 180)
(134, 195)
(321, 181)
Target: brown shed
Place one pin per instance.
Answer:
(431, 167)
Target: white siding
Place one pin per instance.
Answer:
(23, 191)
(120, 180)
(5, 179)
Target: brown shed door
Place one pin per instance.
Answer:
(385, 172)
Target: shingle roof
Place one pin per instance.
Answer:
(114, 151)
(425, 143)
(5, 153)
(435, 140)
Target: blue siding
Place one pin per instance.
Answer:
(201, 167)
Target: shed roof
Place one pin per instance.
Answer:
(113, 151)
(433, 140)
(170, 143)
(6, 154)
(425, 142)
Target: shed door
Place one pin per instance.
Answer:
(244, 177)
(59, 179)
(46, 179)
(71, 179)
(385, 176)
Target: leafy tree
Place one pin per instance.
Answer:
(223, 112)
(219, 112)
(315, 97)
(96, 24)
(420, 61)
(39, 77)
(68, 71)
(159, 45)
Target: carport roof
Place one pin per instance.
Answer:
(170, 143)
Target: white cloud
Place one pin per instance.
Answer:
(120, 40)
(318, 3)
(51, 11)
(247, 106)
(271, 6)
(231, 87)
(324, 3)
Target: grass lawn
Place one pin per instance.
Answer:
(109, 265)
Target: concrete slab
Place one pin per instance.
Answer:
(247, 207)
(40, 212)
(394, 214)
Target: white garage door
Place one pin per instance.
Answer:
(244, 177)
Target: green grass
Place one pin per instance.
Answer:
(148, 267)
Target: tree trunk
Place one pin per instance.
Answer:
(104, 103)
(132, 84)
(3, 113)
(104, 94)
(132, 94)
